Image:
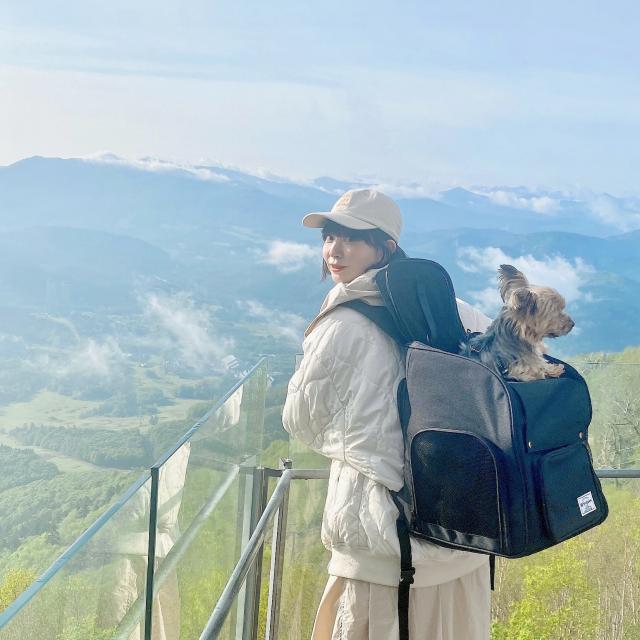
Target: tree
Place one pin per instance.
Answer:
(14, 583)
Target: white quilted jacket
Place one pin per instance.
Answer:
(341, 402)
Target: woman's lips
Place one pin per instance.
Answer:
(334, 268)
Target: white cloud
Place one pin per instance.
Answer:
(624, 215)
(157, 165)
(91, 358)
(288, 257)
(487, 300)
(289, 325)
(190, 330)
(567, 276)
(98, 358)
(431, 189)
(537, 203)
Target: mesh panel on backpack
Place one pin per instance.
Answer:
(457, 476)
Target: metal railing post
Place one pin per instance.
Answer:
(247, 558)
(254, 431)
(251, 499)
(151, 552)
(254, 578)
(236, 623)
(277, 562)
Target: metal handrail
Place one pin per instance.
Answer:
(250, 552)
(618, 473)
(278, 498)
(277, 563)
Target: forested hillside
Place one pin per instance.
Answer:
(21, 467)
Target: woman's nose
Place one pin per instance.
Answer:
(336, 248)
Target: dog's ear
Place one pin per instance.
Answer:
(524, 300)
(510, 279)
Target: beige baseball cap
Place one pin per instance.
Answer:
(361, 209)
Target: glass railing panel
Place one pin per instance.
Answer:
(91, 592)
(208, 497)
(305, 560)
(265, 574)
(614, 385)
(42, 518)
(229, 436)
(206, 504)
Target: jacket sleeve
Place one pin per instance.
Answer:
(312, 405)
(341, 401)
(472, 319)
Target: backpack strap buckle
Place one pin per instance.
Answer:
(406, 575)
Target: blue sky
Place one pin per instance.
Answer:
(501, 93)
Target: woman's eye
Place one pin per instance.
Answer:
(334, 238)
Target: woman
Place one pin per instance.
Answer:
(341, 402)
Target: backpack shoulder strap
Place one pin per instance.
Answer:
(383, 318)
(380, 315)
(407, 569)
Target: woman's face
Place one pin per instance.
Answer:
(347, 259)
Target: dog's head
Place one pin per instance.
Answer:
(537, 311)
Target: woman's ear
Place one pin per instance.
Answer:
(392, 245)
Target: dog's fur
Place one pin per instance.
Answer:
(512, 345)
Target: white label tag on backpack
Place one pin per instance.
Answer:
(586, 504)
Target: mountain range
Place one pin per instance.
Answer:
(100, 234)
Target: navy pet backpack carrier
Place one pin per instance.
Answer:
(491, 465)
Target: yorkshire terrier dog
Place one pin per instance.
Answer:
(512, 345)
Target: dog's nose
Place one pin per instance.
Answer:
(571, 324)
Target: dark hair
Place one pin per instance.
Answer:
(375, 238)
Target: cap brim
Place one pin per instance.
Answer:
(318, 220)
